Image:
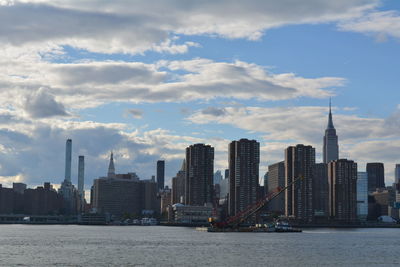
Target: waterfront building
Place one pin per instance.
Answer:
(120, 194)
(178, 185)
(190, 214)
(6, 200)
(276, 179)
(320, 190)
(342, 178)
(244, 161)
(160, 174)
(19, 187)
(331, 146)
(199, 175)
(299, 162)
(362, 196)
(217, 177)
(44, 200)
(376, 176)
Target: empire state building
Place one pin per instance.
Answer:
(331, 147)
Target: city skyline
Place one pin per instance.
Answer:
(146, 86)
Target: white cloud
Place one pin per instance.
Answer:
(381, 25)
(82, 85)
(122, 26)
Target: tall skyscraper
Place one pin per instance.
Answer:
(81, 177)
(111, 167)
(299, 162)
(362, 196)
(160, 174)
(244, 161)
(68, 159)
(276, 178)
(376, 176)
(320, 190)
(199, 183)
(342, 179)
(331, 146)
(67, 190)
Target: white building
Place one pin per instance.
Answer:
(362, 195)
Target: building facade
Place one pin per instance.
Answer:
(320, 190)
(342, 178)
(178, 186)
(199, 175)
(276, 179)
(244, 161)
(160, 174)
(376, 176)
(299, 162)
(362, 196)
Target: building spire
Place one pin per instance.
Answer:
(111, 167)
(330, 121)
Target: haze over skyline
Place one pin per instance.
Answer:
(146, 79)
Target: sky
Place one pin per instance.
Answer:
(146, 79)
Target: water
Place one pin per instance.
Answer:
(40, 245)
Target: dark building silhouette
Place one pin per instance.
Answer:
(244, 161)
(320, 190)
(43, 200)
(199, 175)
(331, 146)
(342, 177)
(299, 162)
(6, 200)
(276, 179)
(376, 176)
(160, 174)
(178, 186)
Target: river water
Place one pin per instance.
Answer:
(72, 245)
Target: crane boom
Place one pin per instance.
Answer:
(242, 216)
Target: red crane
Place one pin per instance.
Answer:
(239, 218)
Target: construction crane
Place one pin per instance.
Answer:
(242, 216)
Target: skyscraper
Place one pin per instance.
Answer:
(276, 178)
(342, 179)
(160, 174)
(362, 196)
(320, 190)
(199, 175)
(397, 183)
(244, 161)
(376, 176)
(68, 159)
(397, 173)
(331, 146)
(299, 162)
(178, 185)
(67, 190)
(81, 177)
(111, 167)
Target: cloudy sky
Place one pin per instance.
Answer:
(148, 78)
